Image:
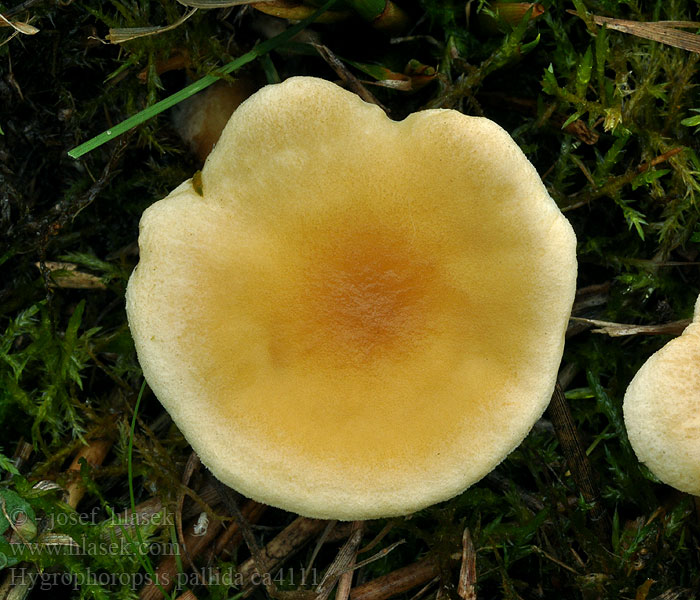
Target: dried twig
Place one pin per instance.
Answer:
(397, 582)
(192, 464)
(319, 543)
(124, 523)
(424, 590)
(208, 4)
(348, 78)
(379, 537)
(94, 454)
(259, 564)
(289, 541)
(381, 554)
(23, 451)
(624, 329)
(232, 537)
(591, 296)
(341, 570)
(466, 588)
(18, 8)
(555, 560)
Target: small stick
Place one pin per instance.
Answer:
(379, 537)
(190, 467)
(467, 574)
(397, 582)
(555, 560)
(204, 500)
(289, 541)
(232, 537)
(659, 159)
(591, 296)
(340, 532)
(319, 543)
(424, 590)
(15, 10)
(348, 78)
(126, 521)
(341, 570)
(345, 581)
(624, 329)
(506, 485)
(230, 500)
(94, 454)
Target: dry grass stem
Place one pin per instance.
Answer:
(126, 34)
(352, 82)
(665, 32)
(579, 464)
(232, 537)
(319, 543)
(340, 571)
(18, 26)
(66, 275)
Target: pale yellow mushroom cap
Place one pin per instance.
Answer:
(662, 411)
(359, 317)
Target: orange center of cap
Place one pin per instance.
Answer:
(364, 299)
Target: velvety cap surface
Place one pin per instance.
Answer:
(356, 317)
(662, 411)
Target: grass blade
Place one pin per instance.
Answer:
(150, 112)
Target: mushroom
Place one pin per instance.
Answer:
(353, 317)
(662, 410)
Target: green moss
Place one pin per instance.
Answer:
(608, 119)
